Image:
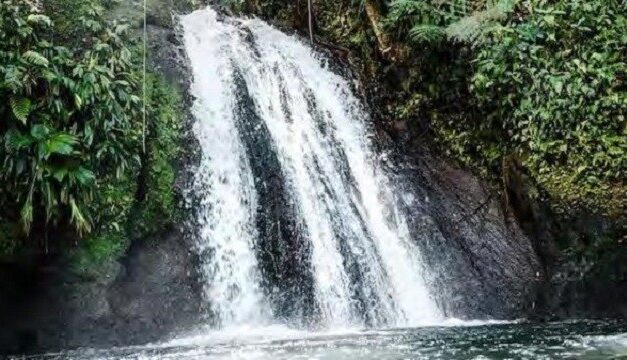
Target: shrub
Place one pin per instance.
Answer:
(70, 115)
(158, 206)
(96, 251)
(545, 83)
(554, 84)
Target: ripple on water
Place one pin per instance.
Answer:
(589, 340)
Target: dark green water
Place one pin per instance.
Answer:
(573, 340)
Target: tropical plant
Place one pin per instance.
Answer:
(437, 20)
(541, 80)
(69, 115)
(555, 85)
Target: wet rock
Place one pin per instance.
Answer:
(479, 261)
(152, 292)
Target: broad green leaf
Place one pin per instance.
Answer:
(39, 132)
(78, 101)
(61, 144)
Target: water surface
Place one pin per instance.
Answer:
(573, 340)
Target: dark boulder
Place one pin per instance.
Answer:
(152, 292)
(478, 258)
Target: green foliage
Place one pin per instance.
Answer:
(70, 140)
(122, 217)
(540, 79)
(427, 32)
(158, 207)
(433, 21)
(72, 20)
(113, 203)
(554, 86)
(70, 121)
(96, 251)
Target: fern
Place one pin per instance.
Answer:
(21, 108)
(457, 20)
(35, 58)
(402, 9)
(470, 28)
(427, 33)
(465, 30)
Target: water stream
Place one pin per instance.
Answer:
(298, 221)
(589, 340)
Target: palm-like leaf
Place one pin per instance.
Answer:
(61, 143)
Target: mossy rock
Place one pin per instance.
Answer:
(95, 257)
(159, 12)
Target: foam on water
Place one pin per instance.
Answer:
(568, 340)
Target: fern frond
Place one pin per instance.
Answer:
(464, 30)
(427, 33)
(21, 108)
(401, 9)
(35, 58)
(469, 28)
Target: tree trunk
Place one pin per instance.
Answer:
(373, 11)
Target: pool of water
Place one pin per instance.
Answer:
(564, 340)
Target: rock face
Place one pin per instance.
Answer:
(482, 264)
(582, 254)
(573, 292)
(146, 296)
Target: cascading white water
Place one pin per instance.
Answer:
(279, 130)
(226, 233)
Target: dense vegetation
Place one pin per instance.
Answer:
(546, 84)
(70, 114)
(72, 131)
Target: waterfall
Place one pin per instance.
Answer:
(297, 220)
